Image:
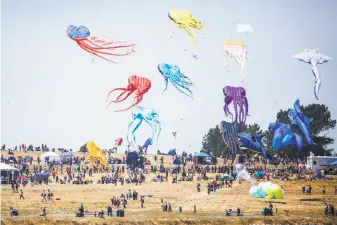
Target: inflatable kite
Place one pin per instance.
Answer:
(178, 79)
(185, 20)
(147, 115)
(229, 133)
(284, 136)
(244, 28)
(266, 190)
(98, 46)
(237, 95)
(238, 51)
(95, 153)
(254, 143)
(137, 85)
(297, 117)
(118, 141)
(313, 57)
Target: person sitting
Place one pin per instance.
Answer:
(228, 212)
(101, 214)
(43, 213)
(13, 212)
(81, 211)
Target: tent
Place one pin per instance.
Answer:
(52, 157)
(177, 161)
(8, 173)
(5, 167)
(40, 176)
(200, 158)
(172, 152)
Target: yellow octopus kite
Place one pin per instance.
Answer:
(95, 154)
(185, 20)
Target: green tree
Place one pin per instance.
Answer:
(83, 148)
(320, 126)
(253, 129)
(213, 142)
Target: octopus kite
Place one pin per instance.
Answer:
(314, 58)
(173, 74)
(150, 117)
(238, 51)
(237, 95)
(185, 20)
(98, 46)
(137, 85)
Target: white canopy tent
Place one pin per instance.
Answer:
(5, 167)
(8, 172)
(52, 157)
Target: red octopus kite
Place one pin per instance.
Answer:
(137, 85)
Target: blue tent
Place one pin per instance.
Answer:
(177, 161)
(40, 176)
(201, 154)
(172, 152)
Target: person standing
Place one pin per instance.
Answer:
(21, 195)
(142, 202)
(109, 210)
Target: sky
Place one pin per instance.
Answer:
(54, 93)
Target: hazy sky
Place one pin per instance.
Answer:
(53, 92)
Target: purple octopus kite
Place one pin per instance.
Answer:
(237, 95)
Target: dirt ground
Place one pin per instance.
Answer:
(303, 209)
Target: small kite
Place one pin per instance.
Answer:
(244, 28)
(238, 51)
(185, 20)
(150, 117)
(137, 85)
(177, 78)
(146, 144)
(237, 95)
(98, 46)
(118, 141)
(313, 57)
(174, 134)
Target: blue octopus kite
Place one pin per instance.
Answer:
(177, 78)
(150, 117)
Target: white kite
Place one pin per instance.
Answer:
(245, 28)
(313, 57)
(238, 51)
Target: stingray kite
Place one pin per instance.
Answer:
(314, 58)
(185, 20)
(173, 74)
(137, 85)
(99, 46)
(238, 51)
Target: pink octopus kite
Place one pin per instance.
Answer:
(98, 46)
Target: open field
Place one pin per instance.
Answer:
(303, 209)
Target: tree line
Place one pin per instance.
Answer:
(320, 127)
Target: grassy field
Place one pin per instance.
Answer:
(303, 209)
